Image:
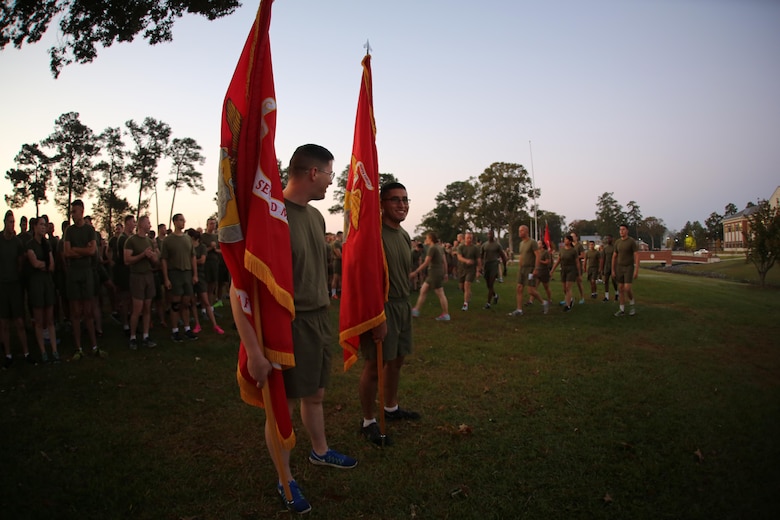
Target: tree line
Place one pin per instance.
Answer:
(74, 161)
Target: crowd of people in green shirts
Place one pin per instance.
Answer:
(52, 285)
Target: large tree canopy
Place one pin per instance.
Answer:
(85, 24)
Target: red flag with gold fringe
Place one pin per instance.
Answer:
(250, 191)
(364, 282)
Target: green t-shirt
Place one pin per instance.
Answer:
(10, 251)
(206, 239)
(592, 259)
(309, 257)
(41, 253)
(398, 253)
(469, 252)
(177, 251)
(527, 253)
(607, 251)
(544, 261)
(200, 250)
(625, 249)
(491, 252)
(137, 245)
(568, 257)
(436, 266)
(80, 236)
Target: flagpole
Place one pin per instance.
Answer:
(270, 417)
(381, 387)
(533, 187)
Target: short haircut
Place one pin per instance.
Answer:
(23, 219)
(623, 225)
(77, 202)
(176, 216)
(143, 217)
(433, 235)
(309, 156)
(128, 218)
(193, 233)
(388, 186)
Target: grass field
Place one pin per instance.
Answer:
(735, 268)
(673, 413)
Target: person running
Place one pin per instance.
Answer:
(436, 264)
(575, 242)
(79, 249)
(140, 256)
(468, 263)
(492, 253)
(180, 273)
(543, 275)
(201, 288)
(625, 265)
(607, 250)
(40, 288)
(528, 258)
(571, 269)
(592, 267)
(11, 295)
(395, 333)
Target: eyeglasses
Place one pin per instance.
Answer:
(396, 200)
(331, 173)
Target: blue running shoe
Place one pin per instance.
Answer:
(333, 459)
(298, 504)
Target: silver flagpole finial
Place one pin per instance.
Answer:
(367, 46)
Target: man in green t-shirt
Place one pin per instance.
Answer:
(492, 253)
(396, 332)
(469, 261)
(140, 256)
(625, 266)
(11, 306)
(607, 250)
(79, 250)
(592, 264)
(528, 274)
(180, 274)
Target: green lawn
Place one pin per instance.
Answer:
(673, 413)
(736, 268)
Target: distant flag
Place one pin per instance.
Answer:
(364, 282)
(250, 191)
(547, 236)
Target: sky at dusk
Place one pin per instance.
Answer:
(671, 103)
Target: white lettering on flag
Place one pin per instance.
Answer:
(262, 189)
(243, 298)
(364, 175)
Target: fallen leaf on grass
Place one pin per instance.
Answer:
(698, 455)
(607, 499)
(43, 454)
(465, 429)
(197, 358)
(200, 400)
(486, 390)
